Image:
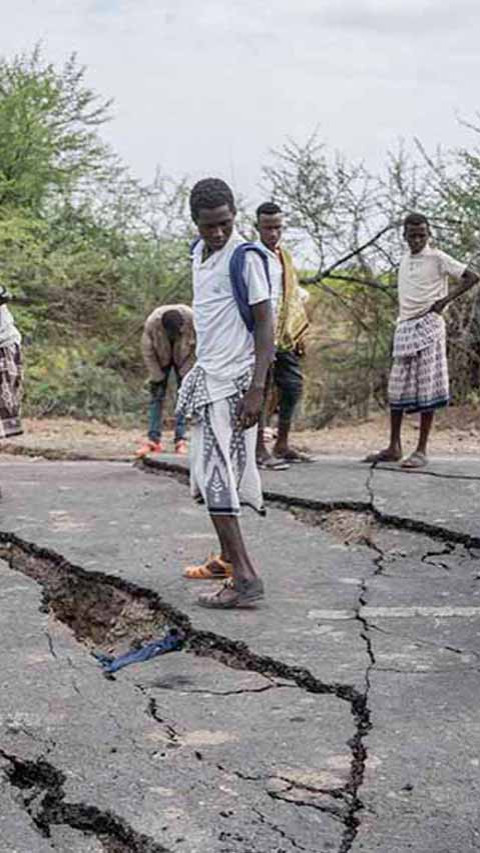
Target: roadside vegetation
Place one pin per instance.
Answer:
(87, 251)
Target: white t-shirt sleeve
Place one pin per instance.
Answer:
(450, 266)
(256, 279)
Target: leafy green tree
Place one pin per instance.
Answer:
(85, 249)
(48, 129)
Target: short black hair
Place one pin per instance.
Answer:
(415, 219)
(210, 193)
(172, 322)
(268, 208)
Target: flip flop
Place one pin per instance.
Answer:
(381, 456)
(272, 464)
(233, 594)
(214, 567)
(415, 460)
(296, 457)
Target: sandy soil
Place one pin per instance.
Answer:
(457, 432)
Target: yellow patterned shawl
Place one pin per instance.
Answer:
(292, 323)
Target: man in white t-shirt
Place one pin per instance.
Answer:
(419, 376)
(223, 393)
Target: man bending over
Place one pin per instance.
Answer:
(168, 344)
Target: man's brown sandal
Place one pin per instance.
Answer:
(213, 567)
(233, 594)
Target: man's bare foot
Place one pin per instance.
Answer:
(389, 454)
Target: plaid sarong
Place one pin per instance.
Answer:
(10, 390)
(419, 376)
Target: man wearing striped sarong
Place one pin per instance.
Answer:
(223, 393)
(419, 375)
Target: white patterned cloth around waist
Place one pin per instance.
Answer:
(195, 394)
(9, 334)
(412, 336)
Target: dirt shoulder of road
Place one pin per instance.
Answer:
(456, 432)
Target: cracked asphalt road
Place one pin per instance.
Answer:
(341, 715)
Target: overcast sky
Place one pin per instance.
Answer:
(209, 87)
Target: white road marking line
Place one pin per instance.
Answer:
(331, 614)
(440, 612)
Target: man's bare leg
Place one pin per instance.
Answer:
(262, 454)
(245, 587)
(392, 453)
(281, 444)
(232, 544)
(418, 459)
(222, 539)
(426, 421)
(265, 459)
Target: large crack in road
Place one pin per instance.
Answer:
(102, 610)
(105, 610)
(41, 787)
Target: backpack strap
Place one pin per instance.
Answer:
(239, 285)
(193, 246)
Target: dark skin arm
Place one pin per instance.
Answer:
(468, 280)
(250, 406)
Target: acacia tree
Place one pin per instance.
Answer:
(86, 250)
(346, 223)
(332, 211)
(49, 121)
(455, 177)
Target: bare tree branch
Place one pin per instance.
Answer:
(327, 273)
(385, 288)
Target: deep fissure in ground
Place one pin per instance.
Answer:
(42, 792)
(109, 612)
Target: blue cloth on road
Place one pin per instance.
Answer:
(171, 642)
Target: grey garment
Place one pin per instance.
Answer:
(9, 334)
(157, 350)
